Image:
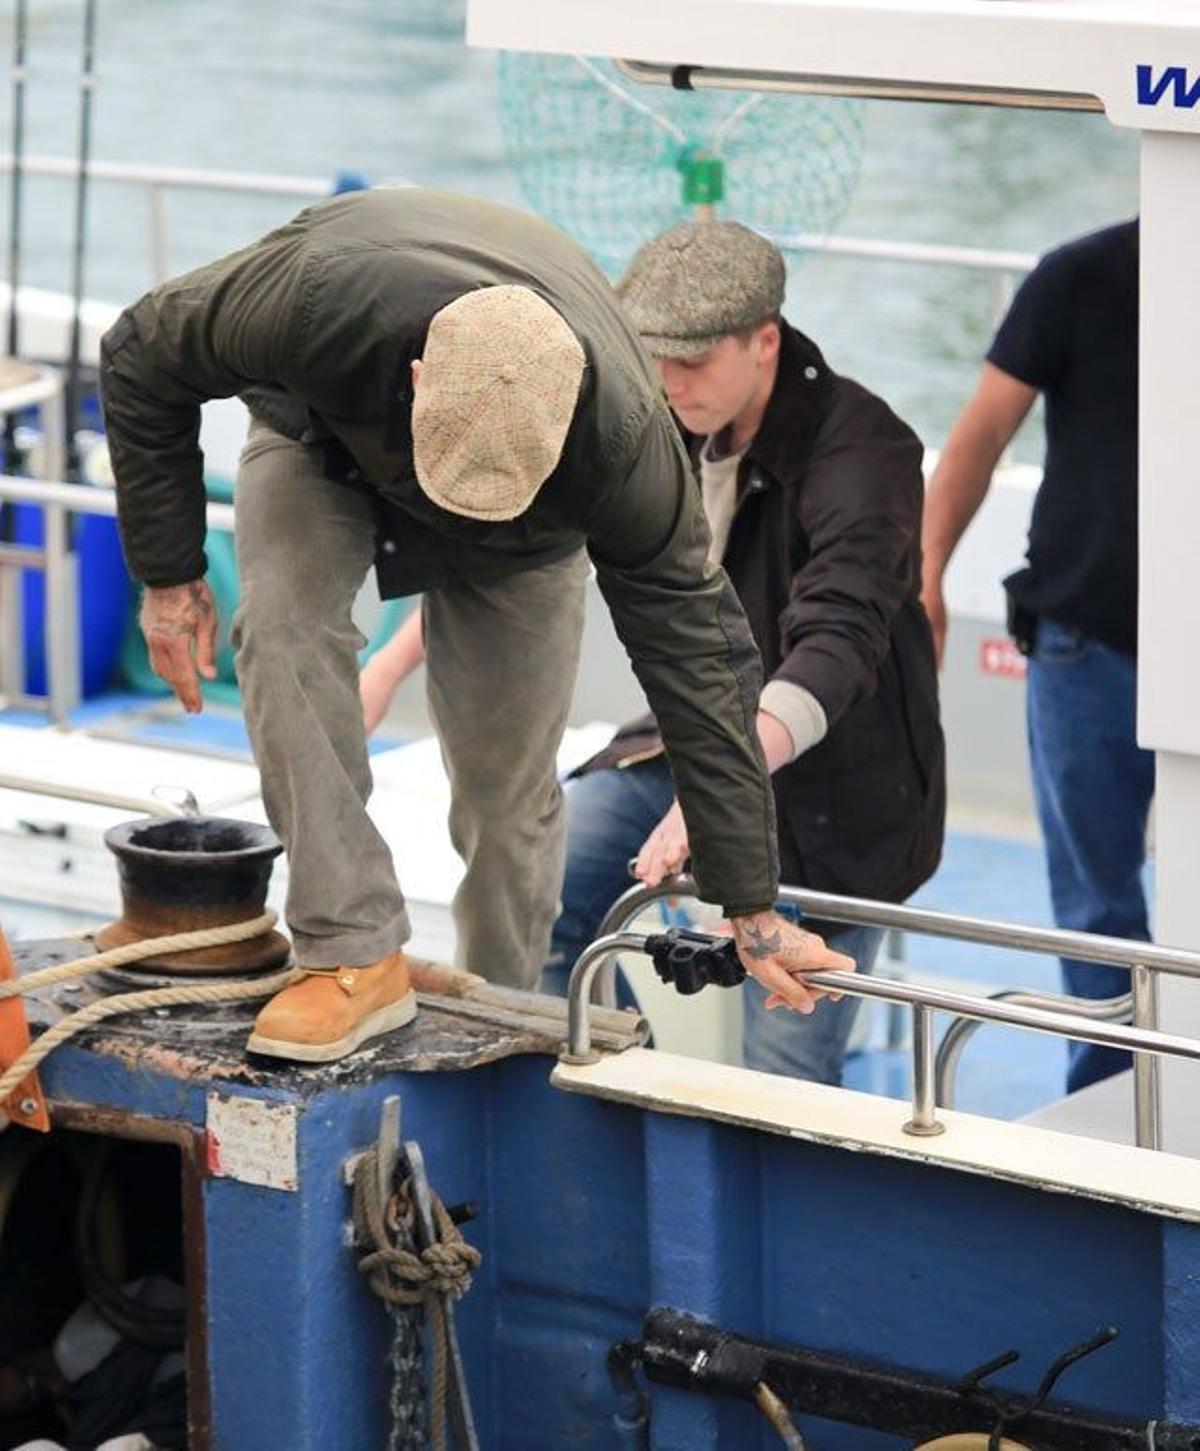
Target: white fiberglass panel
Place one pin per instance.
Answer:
(1141, 58)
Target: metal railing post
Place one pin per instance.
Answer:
(1003, 289)
(160, 240)
(924, 1122)
(62, 623)
(42, 389)
(579, 991)
(12, 632)
(60, 564)
(1147, 1071)
(64, 685)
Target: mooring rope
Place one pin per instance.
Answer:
(163, 997)
(400, 1277)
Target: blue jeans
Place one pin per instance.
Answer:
(610, 814)
(1093, 787)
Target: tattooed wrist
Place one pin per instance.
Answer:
(758, 936)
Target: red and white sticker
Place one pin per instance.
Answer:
(1001, 657)
(252, 1140)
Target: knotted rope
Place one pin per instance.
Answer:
(402, 1277)
(164, 997)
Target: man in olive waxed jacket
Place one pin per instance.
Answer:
(453, 382)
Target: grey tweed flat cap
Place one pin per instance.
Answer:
(699, 282)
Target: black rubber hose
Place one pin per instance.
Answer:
(155, 1326)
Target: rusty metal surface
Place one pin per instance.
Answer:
(208, 1044)
(188, 874)
(192, 1144)
(195, 1241)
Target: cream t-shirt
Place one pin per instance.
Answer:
(796, 709)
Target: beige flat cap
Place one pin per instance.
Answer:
(499, 383)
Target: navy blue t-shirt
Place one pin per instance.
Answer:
(1072, 333)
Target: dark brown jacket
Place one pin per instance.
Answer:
(316, 325)
(824, 552)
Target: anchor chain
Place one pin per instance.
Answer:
(410, 1283)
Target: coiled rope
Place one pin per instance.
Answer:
(404, 1278)
(164, 997)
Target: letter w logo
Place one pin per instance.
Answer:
(1174, 77)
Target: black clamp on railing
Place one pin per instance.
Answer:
(689, 960)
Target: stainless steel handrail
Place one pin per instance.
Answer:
(922, 999)
(960, 1032)
(862, 911)
(587, 964)
(152, 805)
(1145, 960)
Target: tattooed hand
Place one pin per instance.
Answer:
(180, 626)
(778, 954)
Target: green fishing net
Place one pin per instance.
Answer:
(614, 162)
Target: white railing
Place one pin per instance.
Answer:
(56, 561)
(159, 181)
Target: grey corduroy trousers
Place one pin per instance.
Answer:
(501, 664)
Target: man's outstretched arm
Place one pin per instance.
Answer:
(691, 648)
(205, 335)
(960, 482)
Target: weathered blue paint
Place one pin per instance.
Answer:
(704, 1208)
(568, 1269)
(904, 1264)
(971, 1261)
(72, 1075)
(1181, 1321)
(591, 1212)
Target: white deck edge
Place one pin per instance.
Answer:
(1139, 1179)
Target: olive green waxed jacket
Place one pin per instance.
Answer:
(316, 326)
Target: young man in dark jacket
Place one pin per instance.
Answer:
(455, 382)
(813, 492)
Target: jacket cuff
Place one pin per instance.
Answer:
(798, 711)
(169, 578)
(738, 909)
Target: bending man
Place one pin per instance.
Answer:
(812, 488)
(448, 386)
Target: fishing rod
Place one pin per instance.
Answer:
(87, 84)
(16, 188)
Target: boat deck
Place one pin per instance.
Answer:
(990, 872)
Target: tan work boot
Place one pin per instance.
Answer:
(331, 1011)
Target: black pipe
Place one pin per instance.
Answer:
(684, 1352)
(17, 174)
(160, 1327)
(631, 1421)
(87, 83)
